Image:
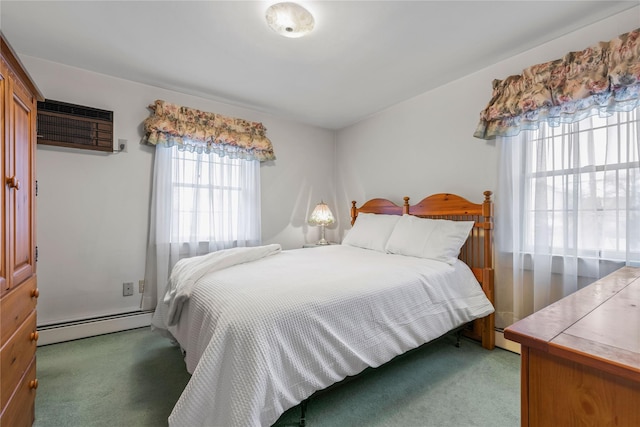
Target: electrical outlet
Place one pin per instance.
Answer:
(140, 286)
(122, 145)
(127, 289)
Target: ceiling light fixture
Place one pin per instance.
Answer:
(289, 19)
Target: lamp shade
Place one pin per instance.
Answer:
(321, 215)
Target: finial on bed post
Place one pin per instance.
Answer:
(354, 212)
(405, 206)
(487, 207)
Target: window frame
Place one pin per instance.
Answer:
(548, 133)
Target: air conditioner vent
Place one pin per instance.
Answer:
(75, 126)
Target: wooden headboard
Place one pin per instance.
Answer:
(477, 252)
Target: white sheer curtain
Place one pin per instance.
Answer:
(201, 202)
(568, 210)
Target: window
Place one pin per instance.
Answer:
(206, 202)
(582, 181)
(213, 198)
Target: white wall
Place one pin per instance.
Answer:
(425, 145)
(93, 208)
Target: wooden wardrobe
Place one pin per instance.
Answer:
(18, 286)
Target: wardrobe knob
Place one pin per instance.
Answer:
(35, 293)
(33, 384)
(13, 182)
(34, 336)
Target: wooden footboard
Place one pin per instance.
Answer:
(477, 252)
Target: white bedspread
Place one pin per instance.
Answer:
(188, 271)
(262, 336)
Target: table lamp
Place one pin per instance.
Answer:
(321, 216)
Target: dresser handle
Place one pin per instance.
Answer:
(34, 336)
(35, 293)
(13, 182)
(33, 384)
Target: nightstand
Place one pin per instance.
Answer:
(315, 245)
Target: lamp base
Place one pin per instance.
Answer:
(322, 240)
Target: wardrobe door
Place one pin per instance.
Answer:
(20, 184)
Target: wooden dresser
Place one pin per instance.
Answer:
(581, 356)
(18, 288)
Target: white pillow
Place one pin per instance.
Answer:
(371, 231)
(438, 239)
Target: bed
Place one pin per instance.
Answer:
(264, 329)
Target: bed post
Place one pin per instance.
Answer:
(488, 323)
(303, 412)
(405, 206)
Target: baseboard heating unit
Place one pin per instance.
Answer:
(73, 330)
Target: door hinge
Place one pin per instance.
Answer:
(36, 188)
(36, 254)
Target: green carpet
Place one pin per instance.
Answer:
(134, 378)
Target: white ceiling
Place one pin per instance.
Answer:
(362, 57)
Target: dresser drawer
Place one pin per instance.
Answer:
(15, 306)
(16, 355)
(20, 412)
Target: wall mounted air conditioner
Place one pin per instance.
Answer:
(74, 126)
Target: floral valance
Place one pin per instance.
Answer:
(599, 79)
(196, 130)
